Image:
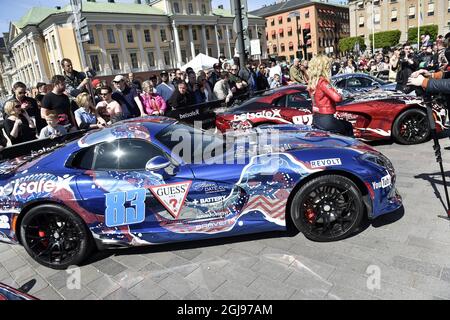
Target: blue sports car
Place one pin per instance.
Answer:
(154, 180)
(361, 82)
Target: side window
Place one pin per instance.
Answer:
(354, 83)
(136, 153)
(299, 100)
(341, 84)
(281, 102)
(365, 82)
(126, 154)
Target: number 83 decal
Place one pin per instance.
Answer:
(116, 214)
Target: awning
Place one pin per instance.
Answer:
(308, 42)
(281, 30)
(307, 26)
(307, 11)
(280, 18)
(431, 7)
(291, 44)
(289, 29)
(274, 32)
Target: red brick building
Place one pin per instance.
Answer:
(320, 26)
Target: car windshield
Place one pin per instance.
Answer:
(190, 143)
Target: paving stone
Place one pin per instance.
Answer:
(59, 279)
(235, 291)
(433, 286)
(235, 273)
(14, 263)
(204, 277)
(4, 273)
(120, 294)
(168, 296)
(23, 273)
(425, 268)
(445, 275)
(188, 254)
(103, 286)
(177, 285)
(134, 262)
(175, 263)
(48, 293)
(271, 290)
(128, 279)
(272, 269)
(89, 274)
(344, 293)
(109, 266)
(74, 294)
(40, 284)
(155, 271)
(241, 258)
(147, 290)
(46, 272)
(309, 285)
(7, 254)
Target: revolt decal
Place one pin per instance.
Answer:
(325, 162)
(172, 196)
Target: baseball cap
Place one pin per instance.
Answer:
(119, 78)
(95, 82)
(164, 73)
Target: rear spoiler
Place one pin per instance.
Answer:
(36, 146)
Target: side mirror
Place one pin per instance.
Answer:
(157, 163)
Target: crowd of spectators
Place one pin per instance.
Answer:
(77, 100)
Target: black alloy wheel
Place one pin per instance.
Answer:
(327, 208)
(411, 127)
(55, 237)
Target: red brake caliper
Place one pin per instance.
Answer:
(310, 215)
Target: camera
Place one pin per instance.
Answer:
(91, 73)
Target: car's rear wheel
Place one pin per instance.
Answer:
(411, 127)
(327, 208)
(55, 236)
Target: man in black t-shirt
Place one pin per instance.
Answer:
(128, 98)
(28, 103)
(57, 102)
(335, 67)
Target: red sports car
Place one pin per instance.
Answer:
(374, 116)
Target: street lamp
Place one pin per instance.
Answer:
(291, 15)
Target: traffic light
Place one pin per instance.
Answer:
(307, 37)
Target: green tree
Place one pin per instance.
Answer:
(431, 29)
(348, 44)
(386, 38)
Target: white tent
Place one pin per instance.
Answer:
(200, 62)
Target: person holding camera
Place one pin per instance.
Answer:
(407, 64)
(76, 82)
(18, 124)
(434, 82)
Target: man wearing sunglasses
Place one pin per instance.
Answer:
(29, 104)
(128, 98)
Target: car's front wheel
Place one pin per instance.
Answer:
(327, 208)
(55, 236)
(411, 127)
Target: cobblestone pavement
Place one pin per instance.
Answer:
(410, 250)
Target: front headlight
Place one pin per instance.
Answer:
(378, 159)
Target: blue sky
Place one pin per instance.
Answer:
(14, 10)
